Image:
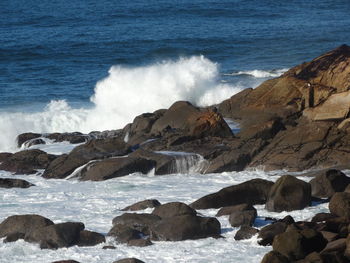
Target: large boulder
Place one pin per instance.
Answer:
(251, 192)
(340, 204)
(149, 203)
(325, 184)
(139, 222)
(27, 162)
(227, 210)
(275, 257)
(23, 224)
(245, 232)
(124, 233)
(242, 218)
(297, 245)
(267, 233)
(95, 149)
(56, 236)
(185, 227)
(288, 194)
(173, 209)
(11, 183)
(114, 167)
(90, 238)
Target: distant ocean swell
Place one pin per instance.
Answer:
(125, 93)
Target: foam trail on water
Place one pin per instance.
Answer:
(122, 95)
(256, 73)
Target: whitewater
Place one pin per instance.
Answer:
(125, 93)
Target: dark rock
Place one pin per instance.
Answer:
(5, 156)
(275, 257)
(10, 183)
(89, 238)
(129, 260)
(288, 194)
(267, 233)
(150, 203)
(227, 210)
(246, 232)
(335, 245)
(71, 137)
(13, 237)
(242, 218)
(337, 225)
(251, 192)
(82, 154)
(287, 219)
(139, 222)
(56, 236)
(23, 224)
(140, 242)
(109, 247)
(320, 217)
(22, 138)
(173, 209)
(124, 233)
(329, 236)
(26, 162)
(347, 249)
(326, 184)
(66, 261)
(297, 245)
(340, 204)
(114, 167)
(33, 142)
(185, 227)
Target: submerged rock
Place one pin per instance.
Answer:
(11, 183)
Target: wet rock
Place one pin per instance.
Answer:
(245, 232)
(185, 227)
(227, 210)
(124, 233)
(242, 218)
(173, 209)
(149, 203)
(11, 183)
(267, 233)
(320, 217)
(275, 257)
(288, 194)
(139, 222)
(340, 204)
(23, 224)
(140, 242)
(5, 156)
(251, 192)
(56, 236)
(27, 162)
(335, 245)
(95, 149)
(33, 142)
(114, 167)
(22, 138)
(89, 238)
(13, 237)
(326, 184)
(109, 247)
(297, 245)
(66, 261)
(71, 137)
(129, 260)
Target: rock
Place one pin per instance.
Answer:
(243, 218)
(23, 224)
(288, 194)
(173, 209)
(71, 137)
(251, 192)
(326, 184)
(185, 227)
(227, 210)
(89, 238)
(129, 260)
(337, 225)
(329, 236)
(340, 204)
(267, 233)
(347, 249)
(320, 217)
(246, 232)
(56, 236)
(13, 237)
(142, 205)
(95, 149)
(33, 142)
(101, 170)
(10, 183)
(140, 242)
(66, 261)
(22, 138)
(275, 257)
(26, 162)
(335, 245)
(139, 222)
(5, 156)
(124, 233)
(297, 245)
(109, 247)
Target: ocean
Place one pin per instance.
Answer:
(94, 65)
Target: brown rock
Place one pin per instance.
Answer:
(150, 203)
(140, 242)
(10, 183)
(340, 204)
(89, 238)
(275, 257)
(129, 260)
(227, 210)
(173, 209)
(245, 232)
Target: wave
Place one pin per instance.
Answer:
(260, 73)
(125, 93)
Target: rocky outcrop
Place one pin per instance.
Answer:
(251, 192)
(14, 183)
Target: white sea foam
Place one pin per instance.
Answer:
(260, 73)
(122, 95)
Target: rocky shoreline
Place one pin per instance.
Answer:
(295, 122)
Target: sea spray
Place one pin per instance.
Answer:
(125, 93)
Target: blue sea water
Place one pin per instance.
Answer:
(54, 54)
